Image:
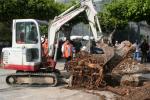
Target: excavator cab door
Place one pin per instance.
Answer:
(26, 37)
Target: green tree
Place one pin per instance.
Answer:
(119, 12)
(21, 9)
(38, 9)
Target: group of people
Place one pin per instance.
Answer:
(142, 52)
(142, 49)
(67, 50)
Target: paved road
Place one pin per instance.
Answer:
(46, 93)
(51, 93)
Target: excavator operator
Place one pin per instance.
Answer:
(46, 58)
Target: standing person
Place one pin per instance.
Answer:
(48, 61)
(144, 49)
(116, 44)
(148, 54)
(147, 37)
(67, 52)
(45, 47)
(137, 51)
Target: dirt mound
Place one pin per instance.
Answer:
(128, 66)
(91, 70)
(86, 71)
(138, 93)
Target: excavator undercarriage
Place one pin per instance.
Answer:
(33, 78)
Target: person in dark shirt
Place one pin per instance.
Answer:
(144, 49)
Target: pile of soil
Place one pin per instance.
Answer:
(137, 93)
(86, 71)
(91, 71)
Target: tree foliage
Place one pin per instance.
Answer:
(119, 12)
(37, 9)
(22, 9)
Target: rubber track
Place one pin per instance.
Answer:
(30, 74)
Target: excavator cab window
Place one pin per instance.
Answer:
(26, 33)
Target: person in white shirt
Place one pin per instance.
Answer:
(116, 44)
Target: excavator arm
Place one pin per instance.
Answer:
(84, 5)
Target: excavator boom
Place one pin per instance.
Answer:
(85, 5)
